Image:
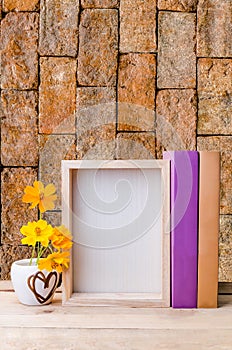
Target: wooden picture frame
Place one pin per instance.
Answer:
(119, 214)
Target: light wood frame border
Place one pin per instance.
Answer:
(118, 299)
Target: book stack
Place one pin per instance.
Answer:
(195, 185)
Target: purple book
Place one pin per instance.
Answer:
(184, 227)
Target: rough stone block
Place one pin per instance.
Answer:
(96, 122)
(57, 95)
(96, 108)
(97, 145)
(136, 92)
(176, 118)
(137, 25)
(58, 27)
(176, 58)
(20, 5)
(224, 145)
(225, 269)
(100, 4)
(19, 128)
(54, 218)
(225, 248)
(19, 57)
(135, 146)
(225, 232)
(98, 48)
(177, 5)
(53, 149)
(9, 254)
(14, 212)
(214, 28)
(215, 96)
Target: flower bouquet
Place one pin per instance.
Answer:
(35, 280)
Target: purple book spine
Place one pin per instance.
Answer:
(184, 227)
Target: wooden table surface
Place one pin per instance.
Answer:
(54, 327)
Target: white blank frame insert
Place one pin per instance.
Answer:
(118, 213)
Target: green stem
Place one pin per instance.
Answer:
(39, 254)
(32, 255)
(44, 250)
(50, 248)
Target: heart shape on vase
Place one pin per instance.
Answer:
(45, 281)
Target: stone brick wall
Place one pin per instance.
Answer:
(110, 79)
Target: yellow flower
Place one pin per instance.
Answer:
(55, 261)
(40, 195)
(35, 232)
(61, 238)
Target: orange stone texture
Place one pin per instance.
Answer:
(58, 27)
(214, 28)
(96, 122)
(100, 4)
(19, 128)
(176, 120)
(136, 92)
(135, 145)
(20, 5)
(19, 57)
(57, 94)
(178, 5)
(98, 47)
(176, 52)
(15, 213)
(214, 92)
(137, 26)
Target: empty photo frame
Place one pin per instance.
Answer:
(118, 213)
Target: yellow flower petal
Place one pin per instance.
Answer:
(49, 189)
(38, 195)
(39, 186)
(47, 203)
(44, 264)
(61, 238)
(31, 190)
(55, 261)
(29, 241)
(42, 224)
(28, 196)
(38, 231)
(42, 209)
(44, 241)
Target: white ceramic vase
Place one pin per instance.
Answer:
(32, 286)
